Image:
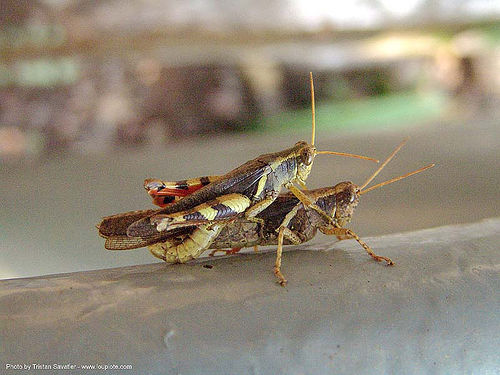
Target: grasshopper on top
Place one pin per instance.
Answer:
(248, 189)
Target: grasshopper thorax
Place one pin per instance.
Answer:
(346, 200)
(304, 155)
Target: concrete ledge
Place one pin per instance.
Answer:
(437, 311)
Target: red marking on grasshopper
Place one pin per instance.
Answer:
(163, 196)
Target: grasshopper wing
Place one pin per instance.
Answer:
(127, 243)
(233, 182)
(164, 193)
(114, 230)
(118, 224)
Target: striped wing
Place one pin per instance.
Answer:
(164, 193)
(114, 230)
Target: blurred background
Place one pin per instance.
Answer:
(97, 96)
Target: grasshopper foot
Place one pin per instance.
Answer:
(281, 279)
(380, 258)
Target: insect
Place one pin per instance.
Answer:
(286, 221)
(247, 190)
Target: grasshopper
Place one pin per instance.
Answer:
(248, 190)
(286, 221)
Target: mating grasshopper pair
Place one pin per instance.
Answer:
(286, 221)
(212, 212)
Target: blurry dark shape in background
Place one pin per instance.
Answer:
(191, 100)
(88, 75)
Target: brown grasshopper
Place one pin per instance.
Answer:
(248, 190)
(286, 221)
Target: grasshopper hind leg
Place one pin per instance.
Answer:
(218, 210)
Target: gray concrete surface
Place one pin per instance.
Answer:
(436, 312)
(49, 210)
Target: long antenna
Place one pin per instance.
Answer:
(313, 136)
(313, 110)
(383, 164)
(347, 154)
(396, 179)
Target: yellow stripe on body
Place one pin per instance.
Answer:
(208, 212)
(236, 202)
(198, 180)
(261, 185)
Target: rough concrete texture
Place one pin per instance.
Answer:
(436, 312)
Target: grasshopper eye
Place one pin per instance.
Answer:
(306, 156)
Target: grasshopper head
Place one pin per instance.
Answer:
(346, 200)
(304, 156)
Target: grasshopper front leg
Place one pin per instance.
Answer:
(271, 196)
(258, 207)
(307, 202)
(345, 233)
